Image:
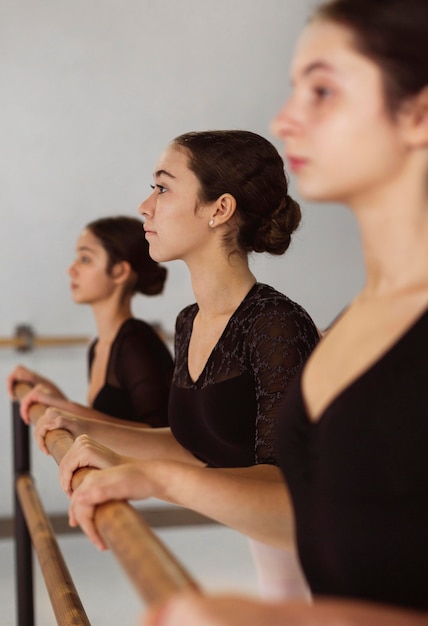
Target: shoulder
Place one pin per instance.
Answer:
(269, 317)
(264, 300)
(136, 343)
(265, 294)
(137, 336)
(186, 316)
(134, 328)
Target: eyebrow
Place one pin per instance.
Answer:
(314, 66)
(164, 173)
(317, 65)
(85, 248)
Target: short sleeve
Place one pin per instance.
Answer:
(279, 343)
(143, 368)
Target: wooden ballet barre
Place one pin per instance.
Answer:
(26, 340)
(64, 598)
(152, 568)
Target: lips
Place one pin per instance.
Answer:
(296, 163)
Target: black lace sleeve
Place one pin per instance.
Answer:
(280, 341)
(227, 417)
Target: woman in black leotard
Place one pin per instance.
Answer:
(354, 426)
(130, 367)
(217, 196)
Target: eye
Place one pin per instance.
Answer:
(160, 188)
(322, 93)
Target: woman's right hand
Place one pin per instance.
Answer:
(132, 480)
(86, 452)
(52, 419)
(24, 375)
(40, 394)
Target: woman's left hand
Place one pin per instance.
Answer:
(130, 481)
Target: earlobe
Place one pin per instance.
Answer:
(121, 272)
(225, 207)
(418, 120)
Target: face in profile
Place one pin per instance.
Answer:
(176, 224)
(90, 282)
(340, 141)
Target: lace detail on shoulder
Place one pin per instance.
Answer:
(269, 337)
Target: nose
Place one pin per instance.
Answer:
(147, 207)
(287, 122)
(72, 269)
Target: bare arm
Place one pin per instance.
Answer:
(41, 394)
(251, 500)
(189, 609)
(130, 441)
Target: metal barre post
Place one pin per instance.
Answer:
(152, 568)
(23, 551)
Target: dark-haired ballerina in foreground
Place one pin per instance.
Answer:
(354, 426)
(130, 367)
(217, 196)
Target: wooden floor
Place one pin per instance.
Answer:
(217, 557)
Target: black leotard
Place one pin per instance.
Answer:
(359, 479)
(227, 417)
(138, 378)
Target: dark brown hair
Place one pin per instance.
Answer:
(248, 167)
(123, 239)
(393, 34)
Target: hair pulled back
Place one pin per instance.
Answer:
(248, 167)
(391, 33)
(123, 239)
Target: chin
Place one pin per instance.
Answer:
(315, 193)
(78, 300)
(159, 257)
(156, 257)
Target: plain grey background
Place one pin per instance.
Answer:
(91, 93)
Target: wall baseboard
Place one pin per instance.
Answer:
(160, 517)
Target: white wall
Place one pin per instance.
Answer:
(91, 94)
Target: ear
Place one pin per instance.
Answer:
(222, 210)
(121, 272)
(416, 120)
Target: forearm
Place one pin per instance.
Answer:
(146, 444)
(92, 414)
(135, 442)
(251, 500)
(196, 610)
(56, 391)
(334, 612)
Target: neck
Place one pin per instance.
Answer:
(109, 317)
(220, 287)
(393, 225)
